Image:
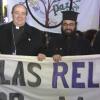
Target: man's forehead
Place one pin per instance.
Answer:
(69, 21)
(20, 7)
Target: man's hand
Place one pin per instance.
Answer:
(41, 57)
(57, 58)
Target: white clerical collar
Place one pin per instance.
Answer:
(17, 27)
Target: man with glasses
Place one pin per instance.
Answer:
(71, 41)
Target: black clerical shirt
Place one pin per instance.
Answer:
(17, 33)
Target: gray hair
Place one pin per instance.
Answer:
(18, 5)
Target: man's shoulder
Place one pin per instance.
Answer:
(79, 33)
(5, 24)
(29, 26)
(32, 29)
(5, 27)
(98, 34)
(56, 38)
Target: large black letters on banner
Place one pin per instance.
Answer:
(3, 96)
(30, 69)
(19, 74)
(16, 95)
(2, 77)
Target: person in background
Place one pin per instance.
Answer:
(70, 41)
(96, 45)
(90, 35)
(18, 38)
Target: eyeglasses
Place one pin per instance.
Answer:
(70, 24)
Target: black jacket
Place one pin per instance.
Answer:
(96, 45)
(30, 43)
(75, 45)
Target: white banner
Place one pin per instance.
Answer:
(25, 78)
(46, 14)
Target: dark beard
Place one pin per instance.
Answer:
(68, 34)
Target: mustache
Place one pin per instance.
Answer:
(68, 30)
